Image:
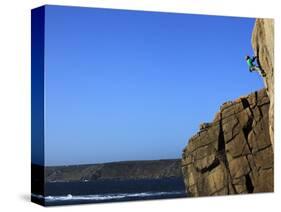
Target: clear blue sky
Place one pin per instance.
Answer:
(128, 85)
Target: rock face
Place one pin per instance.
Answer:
(233, 154)
(263, 45)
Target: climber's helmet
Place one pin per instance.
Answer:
(247, 57)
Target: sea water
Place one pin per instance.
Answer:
(64, 193)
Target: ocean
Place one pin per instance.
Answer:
(65, 193)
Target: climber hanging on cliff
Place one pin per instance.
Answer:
(252, 66)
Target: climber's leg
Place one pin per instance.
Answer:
(253, 68)
(258, 69)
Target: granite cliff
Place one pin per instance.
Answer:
(263, 45)
(234, 153)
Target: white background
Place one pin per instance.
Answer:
(15, 104)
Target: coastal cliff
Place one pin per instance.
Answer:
(234, 153)
(263, 46)
(125, 170)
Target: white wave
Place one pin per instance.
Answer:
(38, 196)
(100, 197)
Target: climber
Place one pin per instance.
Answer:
(252, 66)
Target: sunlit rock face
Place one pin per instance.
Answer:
(233, 154)
(263, 45)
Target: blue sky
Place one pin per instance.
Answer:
(131, 85)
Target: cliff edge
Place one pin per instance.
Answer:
(234, 153)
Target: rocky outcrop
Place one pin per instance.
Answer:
(233, 154)
(125, 170)
(263, 45)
